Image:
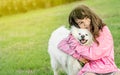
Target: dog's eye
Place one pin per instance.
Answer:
(79, 33)
(86, 34)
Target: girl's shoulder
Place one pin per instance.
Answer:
(105, 29)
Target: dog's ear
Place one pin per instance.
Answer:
(73, 28)
(74, 31)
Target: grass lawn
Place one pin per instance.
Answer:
(24, 37)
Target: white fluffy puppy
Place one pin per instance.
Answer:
(82, 35)
(61, 60)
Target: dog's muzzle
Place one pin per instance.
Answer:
(83, 41)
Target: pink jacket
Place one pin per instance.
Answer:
(101, 57)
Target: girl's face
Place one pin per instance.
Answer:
(83, 23)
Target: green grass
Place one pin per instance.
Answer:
(24, 37)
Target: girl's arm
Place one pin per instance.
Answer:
(64, 45)
(72, 47)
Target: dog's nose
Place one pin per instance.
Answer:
(82, 36)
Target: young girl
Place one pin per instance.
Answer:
(99, 56)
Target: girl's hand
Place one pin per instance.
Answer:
(83, 60)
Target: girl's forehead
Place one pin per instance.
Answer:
(79, 20)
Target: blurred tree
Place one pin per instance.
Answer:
(8, 7)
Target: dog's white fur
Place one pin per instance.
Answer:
(78, 33)
(59, 59)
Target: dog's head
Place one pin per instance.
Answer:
(82, 35)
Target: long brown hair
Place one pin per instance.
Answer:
(83, 11)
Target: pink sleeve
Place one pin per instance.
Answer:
(68, 47)
(95, 51)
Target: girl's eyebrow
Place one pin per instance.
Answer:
(79, 21)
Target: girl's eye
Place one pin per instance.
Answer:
(80, 22)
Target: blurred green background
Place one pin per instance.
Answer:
(26, 25)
